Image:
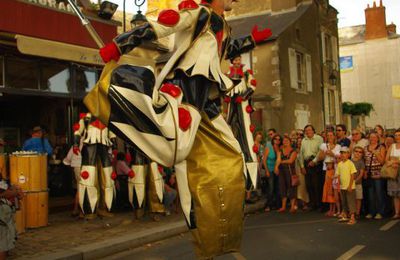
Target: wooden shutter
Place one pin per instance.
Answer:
(326, 106)
(335, 54)
(337, 107)
(309, 73)
(323, 47)
(293, 69)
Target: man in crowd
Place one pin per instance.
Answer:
(38, 143)
(342, 139)
(310, 166)
(271, 133)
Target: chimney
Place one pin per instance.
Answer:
(391, 29)
(375, 22)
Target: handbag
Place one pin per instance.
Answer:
(294, 178)
(388, 172)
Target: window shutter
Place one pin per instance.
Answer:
(309, 73)
(293, 69)
(337, 107)
(335, 55)
(326, 106)
(323, 47)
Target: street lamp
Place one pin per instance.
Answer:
(333, 73)
(138, 18)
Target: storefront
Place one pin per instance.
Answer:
(48, 62)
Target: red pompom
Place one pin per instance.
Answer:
(239, 100)
(249, 109)
(168, 17)
(185, 119)
(114, 175)
(171, 89)
(85, 175)
(252, 128)
(260, 36)
(131, 174)
(255, 148)
(110, 52)
(250, 72)
(188, 4)
(227, 99)
(82, 115)
(253, 82)
(76, 127)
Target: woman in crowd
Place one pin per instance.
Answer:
(285, 168)
(374, 156)
(269, 162)
(260, 148)
(302, 194)
(381, 133)
(393, 158)
(330, 151)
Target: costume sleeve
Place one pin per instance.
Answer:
(153, 30)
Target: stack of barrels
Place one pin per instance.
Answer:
(29, 172)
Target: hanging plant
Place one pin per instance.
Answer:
(357, 109)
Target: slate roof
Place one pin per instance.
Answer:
(352, 35)
(277, 22)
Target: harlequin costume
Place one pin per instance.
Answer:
(239, 111)
(96, 185)
(175, 119)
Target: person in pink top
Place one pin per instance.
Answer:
(121, 184)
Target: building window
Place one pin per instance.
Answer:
(298, 35)
(55, 77)
(301, 67)
(22, 73)
(300, 71)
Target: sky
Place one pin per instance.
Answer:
(351, 12)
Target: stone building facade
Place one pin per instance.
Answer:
(370, 64)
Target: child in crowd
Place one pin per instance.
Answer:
(346, 171)
(360, 166)
(328, 193)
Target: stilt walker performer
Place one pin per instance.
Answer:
(175, 119)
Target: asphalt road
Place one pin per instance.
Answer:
(308, 235)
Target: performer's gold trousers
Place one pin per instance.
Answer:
(217, 187)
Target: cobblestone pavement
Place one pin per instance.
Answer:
(65, 232)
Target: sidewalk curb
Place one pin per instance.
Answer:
(130, 241)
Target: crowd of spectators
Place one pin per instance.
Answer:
(337, 172)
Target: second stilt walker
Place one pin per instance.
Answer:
(175, 119)
(96, 185)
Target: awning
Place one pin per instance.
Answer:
(58, 50)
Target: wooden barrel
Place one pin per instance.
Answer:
(29, 171)
(3, 166)
(37, 209)
(20, 217)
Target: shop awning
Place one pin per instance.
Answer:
(58, 50)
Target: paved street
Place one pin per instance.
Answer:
(300, 236)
